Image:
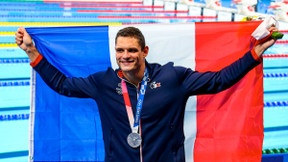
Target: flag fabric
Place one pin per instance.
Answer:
(227, 126)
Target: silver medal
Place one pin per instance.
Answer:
(134, 140)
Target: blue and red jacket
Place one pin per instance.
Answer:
(162, 115)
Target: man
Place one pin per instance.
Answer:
(153, 130)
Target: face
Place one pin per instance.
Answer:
(129, 56)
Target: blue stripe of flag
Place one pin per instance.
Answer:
(63, 130)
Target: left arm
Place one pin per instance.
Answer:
(195, 83)
(212, 82)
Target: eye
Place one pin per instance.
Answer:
(119, 50)
(133, 50)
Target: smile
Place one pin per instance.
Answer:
(127, 62)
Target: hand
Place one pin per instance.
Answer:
(262, 47)
(23, 39)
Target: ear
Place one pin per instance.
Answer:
(145, 51)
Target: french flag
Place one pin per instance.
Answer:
(227, 126)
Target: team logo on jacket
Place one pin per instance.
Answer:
(119, 89)
(154, 85)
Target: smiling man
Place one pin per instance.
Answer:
(139, 123)
(130, 54)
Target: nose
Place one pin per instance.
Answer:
(126, 54)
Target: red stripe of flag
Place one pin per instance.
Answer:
(109, 6)
(157, 17)
(129, 11)
(230, 123)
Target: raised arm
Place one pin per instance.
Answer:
(55, 79)
(212, 82)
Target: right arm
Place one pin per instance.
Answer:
(24, 41)
(72, 87)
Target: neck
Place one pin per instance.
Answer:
(135, 77)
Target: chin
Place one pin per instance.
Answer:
(126, 69)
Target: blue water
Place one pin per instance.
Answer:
(43, 12)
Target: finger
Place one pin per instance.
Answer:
(18, 42)
(19, 39)
(272, 29)
(269, 43)
(23, 29)
(20, 31)
(19, 34)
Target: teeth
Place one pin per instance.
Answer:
(126, 61)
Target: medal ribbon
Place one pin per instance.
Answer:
(134, 124)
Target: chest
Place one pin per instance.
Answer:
(161, 97)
